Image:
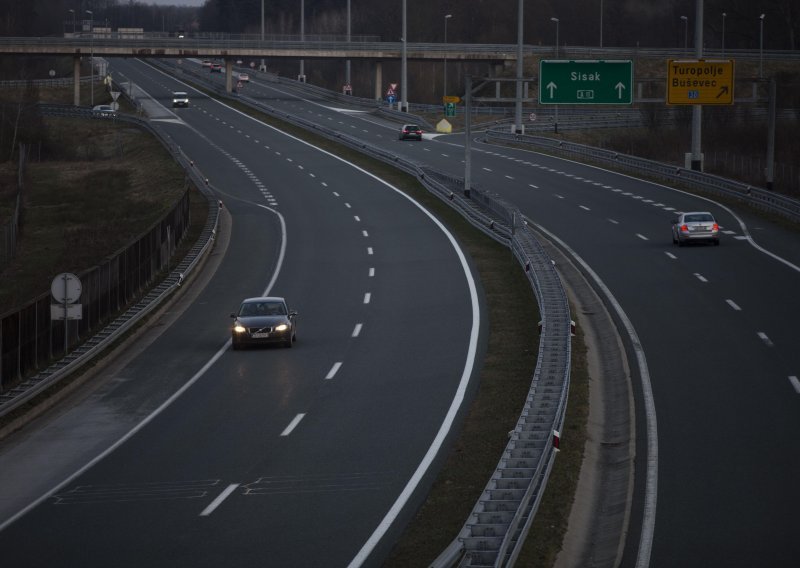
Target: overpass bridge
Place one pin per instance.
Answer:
(229, 49)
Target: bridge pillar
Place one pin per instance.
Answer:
(76, 80)
(378, 80)
(228, 75)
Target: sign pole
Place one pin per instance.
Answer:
(697, 110)
(65, 277)
(468, 136)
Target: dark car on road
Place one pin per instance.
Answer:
(410, 132)
(263, 320)
(696, 226)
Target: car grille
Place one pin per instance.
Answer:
(259, 329)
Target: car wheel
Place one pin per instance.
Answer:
(288, 343)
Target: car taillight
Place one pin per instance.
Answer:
(715, 227)
(684, 228)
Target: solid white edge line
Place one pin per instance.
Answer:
(220, 498)
(292, 425)
(469, 363)
(122, 440)
(651, 473)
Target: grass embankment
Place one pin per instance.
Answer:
(105, 185)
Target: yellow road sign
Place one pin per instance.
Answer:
(454, 100)
(700, 82)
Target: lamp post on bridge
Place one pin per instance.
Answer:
(444, 85)
(91, 56)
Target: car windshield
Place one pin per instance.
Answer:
(698, 218)
(263, 309)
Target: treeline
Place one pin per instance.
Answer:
(654, 23)
(648, 23)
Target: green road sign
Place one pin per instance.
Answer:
(563, 82)
(449, 109)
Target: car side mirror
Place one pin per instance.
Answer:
(292, 314)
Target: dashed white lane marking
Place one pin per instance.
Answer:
(734, 305)
(509, 177)
(559, 196)
(333, 371)
(533, 186)
(367, 297)
(700, 277)
(642, 237)
(767, 341)
(357, 330)
(357, 218)
(584, 207)
(220, 498)
(370, 251)
(613, 221)
(795, 383)
(293, 424)
(487, 169)
(365, 234)
(672, 256)
(371, 272)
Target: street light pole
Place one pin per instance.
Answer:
(761, 48)
(302, 76)
(685, 32)
(347, 63)
(555, 123)
(518, 109)
(444, 84)
(404, 66)
(91, 56)
(724, 15)
(263, 67)
(601, 23)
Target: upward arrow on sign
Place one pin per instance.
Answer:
(551, 87)
(619, 87)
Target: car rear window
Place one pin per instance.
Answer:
(698, 218)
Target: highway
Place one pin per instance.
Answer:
(716, 325)
(291, 455)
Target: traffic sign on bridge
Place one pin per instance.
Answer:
(563, 82)
(700, 82)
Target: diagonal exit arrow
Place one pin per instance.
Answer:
(723, 91)
(619, 87)
(551, 87)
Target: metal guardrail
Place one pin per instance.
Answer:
(756, 197)
(31, 387)
(502, 515)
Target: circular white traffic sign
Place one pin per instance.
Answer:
(66, 288)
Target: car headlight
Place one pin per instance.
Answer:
(281, 327)
(239, 328)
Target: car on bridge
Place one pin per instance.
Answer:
(410, 132)
(263, 320)
(215, 68)
(695, 226)
(180, 99)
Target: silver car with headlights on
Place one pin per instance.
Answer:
(696, 226)
(263, 320)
